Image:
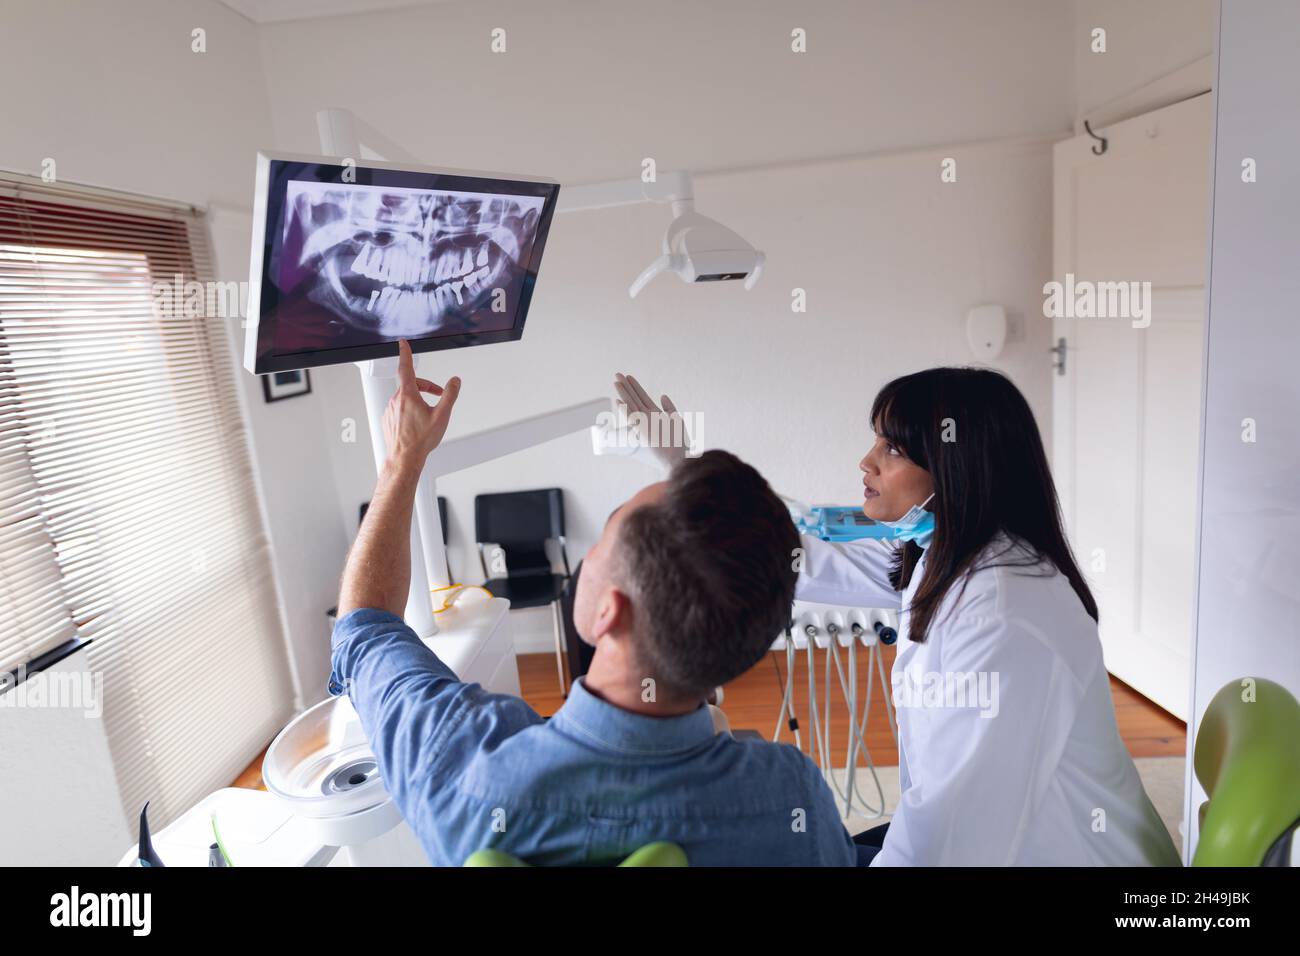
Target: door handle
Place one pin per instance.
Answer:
(1058, 350)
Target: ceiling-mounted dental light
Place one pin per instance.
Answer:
(695, 247)
(700, 249)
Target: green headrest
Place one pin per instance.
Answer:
(652, 854)
(1247, 758)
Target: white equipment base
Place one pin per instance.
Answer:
(260, 829)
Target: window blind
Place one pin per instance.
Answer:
(128, 515)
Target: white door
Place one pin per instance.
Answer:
(1126, 405)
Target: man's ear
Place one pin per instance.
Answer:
(613, 615)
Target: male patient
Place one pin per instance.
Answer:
(685, 589)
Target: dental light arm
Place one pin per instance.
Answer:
(673, 187)
(695, 247)
(700, 249)
(662, 264)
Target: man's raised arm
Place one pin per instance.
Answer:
(378, 572)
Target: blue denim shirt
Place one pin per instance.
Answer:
(470, 769)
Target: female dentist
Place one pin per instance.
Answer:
(1009, 753)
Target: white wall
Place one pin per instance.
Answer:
(1249, 548)
(891, 260)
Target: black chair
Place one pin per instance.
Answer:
(578, 651)
(519, 523)
(442, 519)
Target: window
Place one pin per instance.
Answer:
(128, 515)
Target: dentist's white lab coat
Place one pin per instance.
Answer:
(1045, 779)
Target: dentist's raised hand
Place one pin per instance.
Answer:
(412, 426)
(660, 430)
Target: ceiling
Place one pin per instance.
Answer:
(276, 11)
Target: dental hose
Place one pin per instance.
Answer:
(884, 686)
(787, 695)
(860, 732)
(855, 802)
(857, 730)
(821, 728)
(815, 729)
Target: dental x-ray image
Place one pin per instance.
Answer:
(347, 259)
(388, 263)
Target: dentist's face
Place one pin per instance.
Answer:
(891, 482)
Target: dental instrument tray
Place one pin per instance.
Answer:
(839, 523)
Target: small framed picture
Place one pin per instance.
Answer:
(278, 385)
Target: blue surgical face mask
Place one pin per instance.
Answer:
(917, 525)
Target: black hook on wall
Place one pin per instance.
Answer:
(1097, 150)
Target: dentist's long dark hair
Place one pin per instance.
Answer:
(973, 431)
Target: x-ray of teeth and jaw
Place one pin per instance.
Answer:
(392, 262)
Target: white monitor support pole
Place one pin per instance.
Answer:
(344, 136)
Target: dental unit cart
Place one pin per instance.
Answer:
(838, 632)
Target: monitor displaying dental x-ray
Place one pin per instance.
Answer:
(349, 259)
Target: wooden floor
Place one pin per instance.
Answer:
(753, 701)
